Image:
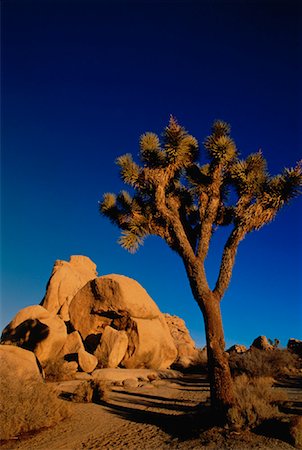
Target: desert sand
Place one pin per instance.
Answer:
(164, 414)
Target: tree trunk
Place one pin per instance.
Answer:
(221, 384)
(222, 395)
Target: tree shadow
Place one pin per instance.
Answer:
(184, 426)
(175, 417)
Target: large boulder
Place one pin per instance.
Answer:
(112, 347)
(261, 343)
(19, 363)
(65, 281)
(187, 353)
(122, 303)
(37, 330)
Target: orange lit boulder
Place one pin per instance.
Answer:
(19, 363)
(124, 305)
(37, 330)
(65, 281)
(187, 353)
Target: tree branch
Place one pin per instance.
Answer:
(208, 214)
(228, 260)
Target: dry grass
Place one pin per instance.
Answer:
(260, 363)
(91, 391)
(60, 370)
(256, 401)
(295, 431)
(28, 406)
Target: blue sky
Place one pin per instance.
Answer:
(82, 80)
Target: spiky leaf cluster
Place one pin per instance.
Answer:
(220, 146)
(183, 201)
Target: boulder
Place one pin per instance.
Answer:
(66, 279)
(72, 344)
(261, 343)
(87, 362)
(21, 364)
(35, 329)
(123, 304)
(295, 346)
(187, 353)
(237, 349)
(112, 348)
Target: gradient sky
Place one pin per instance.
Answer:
(82, 80)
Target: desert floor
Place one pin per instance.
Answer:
(166, 414)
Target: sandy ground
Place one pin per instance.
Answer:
(160, 415)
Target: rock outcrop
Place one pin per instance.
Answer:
(34, 328)
(261, 343)
(22, 364)
(237, 348)
(91, 322)
(295, 346)
(187, 353)
(112, 348)
(65, 281)
(123, 304)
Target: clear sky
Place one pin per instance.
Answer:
(82, 80)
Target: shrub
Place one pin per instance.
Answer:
(60, 370)
(255, 401)
(91, 391)
(295, 430)
(261, 363)
(28, 406)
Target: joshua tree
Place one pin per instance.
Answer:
(183, 202)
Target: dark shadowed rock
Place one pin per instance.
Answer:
(295, 346)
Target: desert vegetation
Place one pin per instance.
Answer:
(257, 363)
(256, 401)
(94, 391)
(27, 406)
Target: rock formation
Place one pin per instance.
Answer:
(122, 303)
(65, 281)
(34, 328)
(109, 321)
(237, 348)
(187, 353)
(19, 362)
(295, 346)
(261, 343)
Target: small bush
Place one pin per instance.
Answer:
(60, 370)
(261, 363)
(295, 430)
(28, 406)
(91, 391)
(255, 402)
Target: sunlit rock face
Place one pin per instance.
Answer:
(36, 329)
(66, 279)
(124, 305)
(187, 353)
(22, 364)
(237, 348)
(103, 322)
